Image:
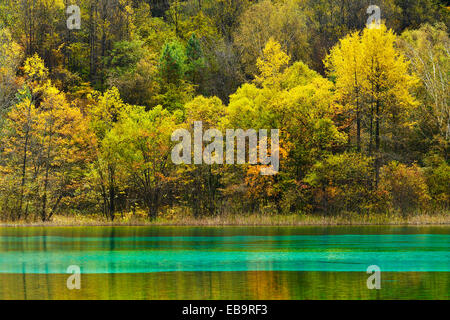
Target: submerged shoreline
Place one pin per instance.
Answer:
(241, 220)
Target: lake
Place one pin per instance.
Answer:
(225, 262)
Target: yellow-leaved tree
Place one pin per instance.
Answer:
(373, 79)
(297, 101)
(47, 145)
(104, 113)
(271, 64)
(10, 56)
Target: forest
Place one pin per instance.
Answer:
(86, 115)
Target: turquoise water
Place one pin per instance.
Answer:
(421, 253)
(53, 254)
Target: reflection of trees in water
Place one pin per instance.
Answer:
(227, 285)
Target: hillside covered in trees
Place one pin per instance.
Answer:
(86, 115)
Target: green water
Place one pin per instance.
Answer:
(225, 262)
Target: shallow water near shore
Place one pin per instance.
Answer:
(225, 262)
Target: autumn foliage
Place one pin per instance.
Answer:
(86, 116)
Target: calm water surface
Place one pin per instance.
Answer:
(225, 262)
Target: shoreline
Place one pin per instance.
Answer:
(251, 220)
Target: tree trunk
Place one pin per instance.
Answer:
(377, 144)
(47, 170)
(153, 204)
(24, 164)
(112, 193)
(358, 126)
(92, 58)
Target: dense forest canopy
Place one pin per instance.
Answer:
(86, 115)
